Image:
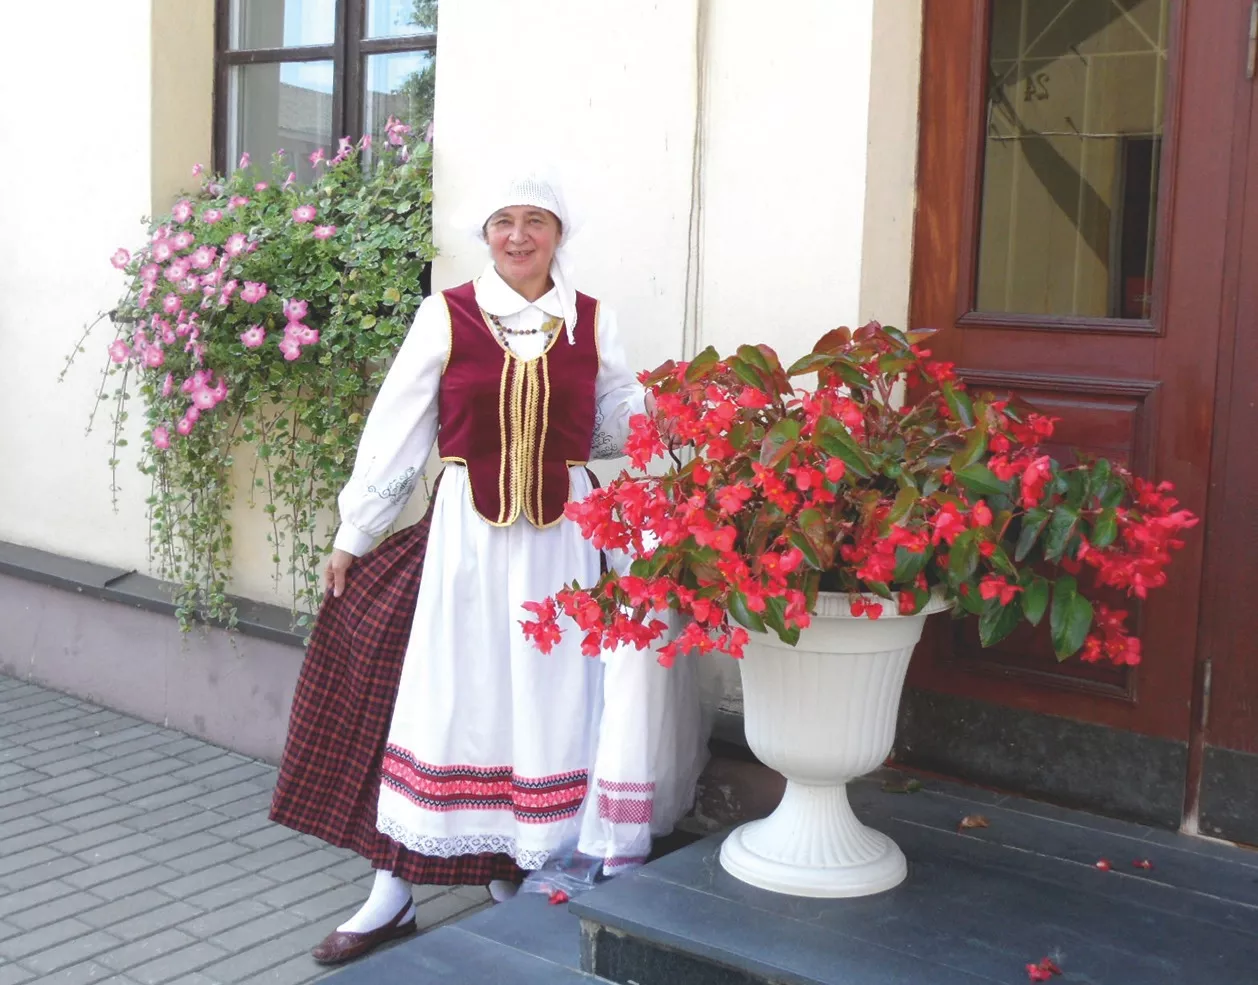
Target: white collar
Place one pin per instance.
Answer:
(497, 297)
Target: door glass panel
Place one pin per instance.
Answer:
(1072, 142)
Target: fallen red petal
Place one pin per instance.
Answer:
(558, 897)
(1142, 863)
(1104, 865)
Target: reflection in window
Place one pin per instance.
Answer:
(281, 23)
(400, 18)
(400, 85)
(1073, 135)
(276, 106)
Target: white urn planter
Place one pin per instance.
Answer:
(822, 713)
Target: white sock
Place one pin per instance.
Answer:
(388, 895)
(502, 890)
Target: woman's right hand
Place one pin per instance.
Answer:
(334, 574)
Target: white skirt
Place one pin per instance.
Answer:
(493, 744)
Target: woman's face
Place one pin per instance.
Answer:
(522, 240)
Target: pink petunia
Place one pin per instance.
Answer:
(182, 211)
(150, 272)
(290, 180)
(154, 357)
(204, 257)
(304, 213)
(146, 296)
(295, 310)
(177, 271)
(261, 186)
(228, 290)
(235, 244)
(197, 169)
(212, 278)
(253, 336)
(303, 334)
(189, 284)
(364, 142)
(244, 159)
(291, 348)
(120, 259)
(162, 251)
(185, 426)
(395, 131)
(192, 414)
(161, 438)
(316, 158)
(204, 399)
(211, 216)
(220, 390)
(324, 232)
(253, 292)
(237, 201)
(183, 240)
(119, 351)
(345, 147)
(168, 385)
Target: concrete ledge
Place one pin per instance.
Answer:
(65, 629)
(268, 622)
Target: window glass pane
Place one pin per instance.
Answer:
(1073, 135)
(400, 85)
(282, 23)
(280, 106)
(400, 18)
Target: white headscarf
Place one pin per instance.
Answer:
(542, 192)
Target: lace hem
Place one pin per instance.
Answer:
(453, 845)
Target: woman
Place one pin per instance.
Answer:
(518, 379)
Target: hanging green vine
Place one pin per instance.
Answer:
(262, 313)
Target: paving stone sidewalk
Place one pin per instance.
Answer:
(136, 855)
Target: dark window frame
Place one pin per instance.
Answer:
(347, 52)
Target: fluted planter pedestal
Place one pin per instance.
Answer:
(822, 713)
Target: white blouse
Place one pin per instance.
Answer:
(402, 426)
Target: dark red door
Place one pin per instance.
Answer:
(1226, 757)
(1070, 240)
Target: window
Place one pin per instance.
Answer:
(299, 74)
(1076, 95)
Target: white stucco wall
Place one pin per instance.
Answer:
(798, 217)
(75, 180)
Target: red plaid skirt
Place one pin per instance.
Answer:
(329, 780)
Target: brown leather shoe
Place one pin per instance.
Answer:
(341, 946)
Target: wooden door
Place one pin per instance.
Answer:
(1073, 199)
(1225, 760)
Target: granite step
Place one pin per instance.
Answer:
(978, 906)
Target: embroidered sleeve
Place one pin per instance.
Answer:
(399, 434)
(618, 395)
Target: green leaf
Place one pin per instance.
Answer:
(972, 451)
(1105, 528)
(738, 609)
(908, 565)
(800, 540)
(836, 440)
(1061, 527)
(1070, 618)
(775, 609)
(779, 442)
(959, 403)
(810, 363)
(748, 374)
(701, 363)
(963, 556)
(1032, 525)
(997, 622)
(980, 479)
(752, 355)
(903, 505)
(1035, 600)
(1001, 563)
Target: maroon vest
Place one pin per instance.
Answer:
(516, 425)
